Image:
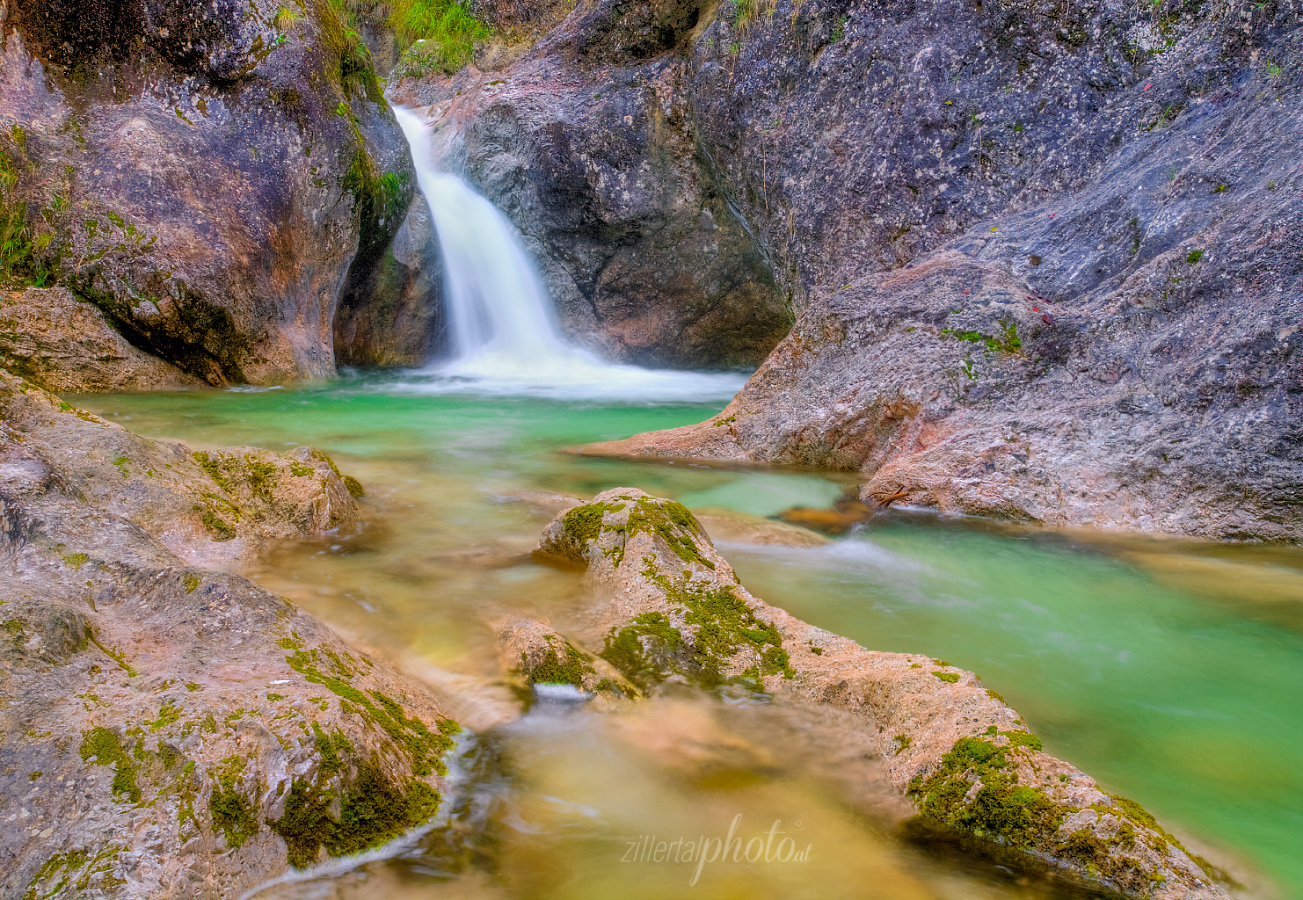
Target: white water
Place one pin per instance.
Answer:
(505, 336)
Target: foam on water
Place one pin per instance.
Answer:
(505, 336)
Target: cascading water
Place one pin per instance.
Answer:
(506, 339)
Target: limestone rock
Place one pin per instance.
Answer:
(669, 608)
(212, 176)
(49, 336)
(168, 731)
(213, 508)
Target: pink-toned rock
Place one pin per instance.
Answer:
(669, 608)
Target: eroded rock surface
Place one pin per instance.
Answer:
(670, 609)
(212, 176)
(1044, 261)
(167, 730)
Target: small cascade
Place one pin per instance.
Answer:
(505, 335)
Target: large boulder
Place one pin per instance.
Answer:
(210, 175)
(1045, 260)
(668, 611)
(167, 730)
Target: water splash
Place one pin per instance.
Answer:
(505, 336)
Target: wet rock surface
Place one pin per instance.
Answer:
(668, 610)
(1044, 261)
(213, 177)
(49, 336)
(168, 730)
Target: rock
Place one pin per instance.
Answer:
(392, 316)
(168, 731)
(536, 654)
(740, 528)
(211, 176)
(213, 508)
(669, 608)
(50, 337)
(1044, 262)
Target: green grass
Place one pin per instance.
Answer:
(439, 35)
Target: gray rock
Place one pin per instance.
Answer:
(1045, 260)
(167, 730)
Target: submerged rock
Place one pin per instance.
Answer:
(167, 730)
(670, 609)
(212, 176)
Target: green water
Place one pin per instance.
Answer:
(1172, 673)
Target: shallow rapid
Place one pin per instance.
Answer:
(1169, 671)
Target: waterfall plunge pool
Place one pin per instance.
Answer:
(1170, 672)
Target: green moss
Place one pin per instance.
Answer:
(218, 527)
(718, 626)
(373, 810)
(564, 665)
(1194, 256)
(116, 655)
(949, 677)
(104, 748)
(76, 560)
(1002, 809)
(331, 746)
(1007, 341)
(68, 863)
(211, 466)
(306, 824)
(232, 813)
(191, 582)
(668, 520)
(1023, 739)
(354, 487)
(167, 714)
(425, 748)
(262, 476)
(903, 743)
(584, 523)
(299, 470)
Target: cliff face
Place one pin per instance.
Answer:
(211, 176)
(1045, 261)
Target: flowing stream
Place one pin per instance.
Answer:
(1171, 672)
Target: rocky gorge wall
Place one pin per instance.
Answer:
(213, 178)
(1044, 259)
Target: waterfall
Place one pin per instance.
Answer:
(505, 334)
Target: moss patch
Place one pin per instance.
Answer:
(373, 810)
(104, 748)
(1017, 815)
(425, 748)
(559, 665)
(718, 627)
(232, 813)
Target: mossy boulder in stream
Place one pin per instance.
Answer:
(175, 731)
(668, 609)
